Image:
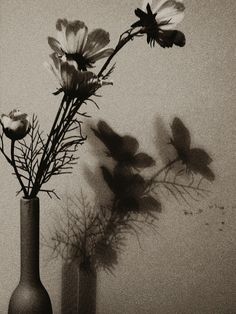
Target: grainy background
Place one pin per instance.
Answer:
(189, 267)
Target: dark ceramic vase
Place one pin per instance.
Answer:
(30, 296)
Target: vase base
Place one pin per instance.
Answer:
(30, 300)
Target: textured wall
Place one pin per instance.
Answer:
(188, 267)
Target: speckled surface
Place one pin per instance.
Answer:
(188, 268)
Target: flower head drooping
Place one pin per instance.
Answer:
(16, 125)
(195, 159)
(74, 83)
(160, 21)
(74, 41)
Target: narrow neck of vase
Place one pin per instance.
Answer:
(29, 217)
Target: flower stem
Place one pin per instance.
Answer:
(40, 171)
(13, 163)
(55, 143)
(63, 122)
(119, 46)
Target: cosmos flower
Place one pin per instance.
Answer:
(74, 41)
(159, 22)
(16, 125)
(73, 82)
(195, 159)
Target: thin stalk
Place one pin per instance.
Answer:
(120, 45)
(40, 171)
(56, 141)
(16, 170)
(69, 113)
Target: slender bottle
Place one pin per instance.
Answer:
(30, 296)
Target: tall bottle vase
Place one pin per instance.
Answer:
(30, 296)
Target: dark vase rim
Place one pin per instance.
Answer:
(29, 201)
(29, 198)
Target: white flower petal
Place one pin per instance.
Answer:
(17, 114)
(104, 53)
(76, 33)
(173, 22)
(61, 24)
(170, 10)
(96, 41)
(53, 70)
(17, 126)
(12, 113)
(61, 33)
(71, 43)
(55, 45)
(158, 5)
(20, 116)
(81, 39)
(56, 60)
(105, 82)
(69, 75)
(5, 120)
(55, 67)
(65, 76)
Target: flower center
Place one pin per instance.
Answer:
(81, 61)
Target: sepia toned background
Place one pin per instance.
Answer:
(189, 267)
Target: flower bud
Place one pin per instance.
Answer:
(16, 125)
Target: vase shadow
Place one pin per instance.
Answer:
(79, 290)
(69, 289)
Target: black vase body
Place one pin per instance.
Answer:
(30, 296)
